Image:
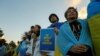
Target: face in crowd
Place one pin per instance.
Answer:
(71, 14)
(32, 29)
(53, 18)
(37, 29)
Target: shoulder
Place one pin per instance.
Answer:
(3, 47)
(82, 20)
(60, 22)
(50, 26)
(65, 24)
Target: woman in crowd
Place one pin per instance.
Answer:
(74, 38)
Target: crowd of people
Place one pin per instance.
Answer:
(72, 38)
(7, 49)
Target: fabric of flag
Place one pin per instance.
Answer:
(94, 25)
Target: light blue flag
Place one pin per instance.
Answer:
(23, 48)
(66, 38)
(93, 8)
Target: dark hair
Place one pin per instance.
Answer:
(53, 15)
(32, 27)
(69, 9)
(12, 43)
(38, 33)
(2, 41)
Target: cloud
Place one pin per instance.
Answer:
(74, 2)
(82, 9)
(83, 13)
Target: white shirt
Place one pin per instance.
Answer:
(36, 50)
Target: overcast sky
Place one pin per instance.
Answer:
(16, 16)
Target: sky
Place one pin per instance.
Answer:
(16, 16)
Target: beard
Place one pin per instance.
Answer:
(72, 19)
